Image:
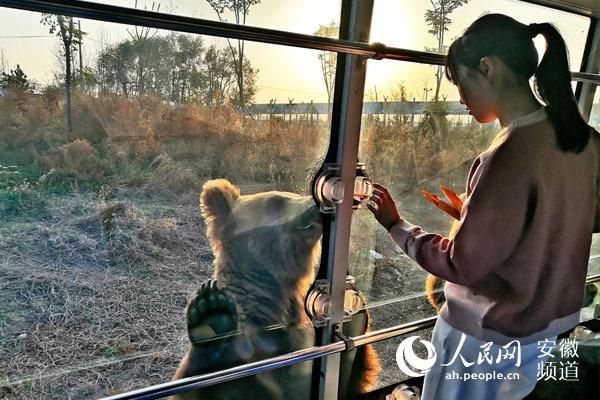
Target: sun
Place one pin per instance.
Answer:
(393, 25)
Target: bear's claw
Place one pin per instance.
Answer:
(211, 314)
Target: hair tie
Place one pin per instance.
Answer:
(533, 30)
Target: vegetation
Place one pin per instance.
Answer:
(176, 68)
(328, 60)
(438, 19)
(242, 69)
(70, 37)
(16, 81)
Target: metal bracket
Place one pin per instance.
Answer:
(329, 188)
(348, 341)
(318, 302)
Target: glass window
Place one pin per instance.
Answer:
(407, 145)
(103, 244)
(290, 15)
(403, 24)
(595, 113)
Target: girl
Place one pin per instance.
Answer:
(517, 265)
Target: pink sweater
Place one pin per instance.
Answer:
(517, 265)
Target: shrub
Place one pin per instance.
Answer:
(23, 200)
(78, 158)
(170, 176)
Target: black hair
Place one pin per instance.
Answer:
(511, 41)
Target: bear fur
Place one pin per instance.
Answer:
(266, 249)
(434, 286)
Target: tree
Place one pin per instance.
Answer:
(141, 37)
(70, 38)
(219, 81)
(86, 80)
(438, 19)
(176, 68)
(171, 67)
(218, 77)
(328, 60)
(118, 68)
(187, 53)
(249, 87)
(16, 81)
(240, 9)
(115, 69)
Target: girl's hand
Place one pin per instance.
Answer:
(383, 207)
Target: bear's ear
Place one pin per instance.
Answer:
(217, 199)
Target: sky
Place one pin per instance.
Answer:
(287, 73)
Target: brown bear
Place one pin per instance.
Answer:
(434, 286)
(266, 248)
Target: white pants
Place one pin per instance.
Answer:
(479, 381)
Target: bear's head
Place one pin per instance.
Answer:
(266, 247)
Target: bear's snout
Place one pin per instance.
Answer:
(310, 218)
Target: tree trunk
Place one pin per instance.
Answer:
(438, 83)
(241, 74)
(68, 87)
(438, 74)
(80, 53)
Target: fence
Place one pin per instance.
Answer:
(312, 111)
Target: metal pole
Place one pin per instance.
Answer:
(590, 65)
(567, 6)
(355, 25)
(177, 23)
(269, 364)
(132, 16)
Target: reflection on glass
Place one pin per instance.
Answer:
(595, 113)
(291, 15)
(103, 244)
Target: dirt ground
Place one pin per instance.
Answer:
(92, 295)
(89, 311)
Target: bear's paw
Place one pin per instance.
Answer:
(211, 314)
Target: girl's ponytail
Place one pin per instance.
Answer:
(553, 85)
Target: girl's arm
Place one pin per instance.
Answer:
(492, 222)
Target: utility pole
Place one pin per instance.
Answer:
(80, 54)
(426, 91)
(2, 61)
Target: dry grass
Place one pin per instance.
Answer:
(77, 158)
(172, 177)
(91, 307)
(27, 130)
(93, 299)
